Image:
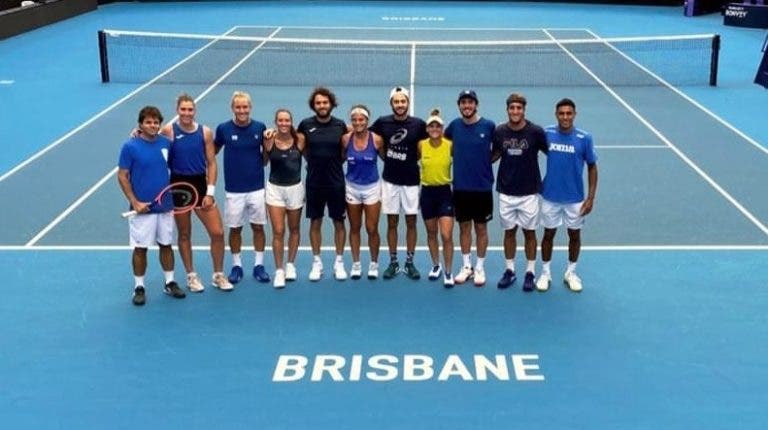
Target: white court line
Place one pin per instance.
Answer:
(104, 112)
(631, 146)
(664, 139)
(511, 30)
(112, 172)
(688, 98)
(593, 248)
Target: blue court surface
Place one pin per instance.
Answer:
(670, 331)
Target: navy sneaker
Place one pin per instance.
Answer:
(529, 284)
(173, 290)
(235, 275)
(260, 274)
(139, 297)
(507, 279)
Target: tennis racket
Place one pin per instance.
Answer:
(182, 195)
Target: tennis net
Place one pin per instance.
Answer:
(128, 56)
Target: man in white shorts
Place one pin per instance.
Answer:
(518, 142)
(242, 139)
(142, 175)
(563, 201)
(401, 177)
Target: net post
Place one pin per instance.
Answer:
(713, 65)
(103, 60)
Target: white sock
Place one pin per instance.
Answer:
(316, 259)
(545, 267)
(467, 258)
(236, 260)
(480, 263)
(138, 281)
(511, 264)
(259, 258)
(531, 267)
(339, 259)
(571, 267)
(168, 276)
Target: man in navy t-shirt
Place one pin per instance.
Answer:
(243, 141)
(401, 133)
(325, 178)
(563, 200)
(472, 182)
(142, 174)
(518, 142)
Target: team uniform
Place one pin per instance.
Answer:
(243, 172)
(401, 177)
(284, 188)
(518, 179)
(362, 179)
(436, 198)
(147, 164)
(325, 176)
(187, 160)
(563, 187)
(473, 176)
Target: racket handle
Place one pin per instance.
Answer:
(129, 214)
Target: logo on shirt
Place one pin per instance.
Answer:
(482, 135)
(234, 138)
(559, 147)
(398, 137)
(164, 151)
(312, 130)
(256, 136)
(179, 136)
(515, 146)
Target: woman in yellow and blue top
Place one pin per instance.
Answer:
(436, 198)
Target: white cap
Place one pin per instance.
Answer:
(400, 90)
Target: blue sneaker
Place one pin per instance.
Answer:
(236, 275)
(507, 279)
(529, 284)
(260, 274)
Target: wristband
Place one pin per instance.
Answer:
(211, 190)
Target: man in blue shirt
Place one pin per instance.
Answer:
(142, 174)
(518, 142)
(472, 183)
(563, 201)
(243, 139)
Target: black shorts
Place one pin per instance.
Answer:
(320, 197)
(200, 182)
(436, 201)
(474, 206)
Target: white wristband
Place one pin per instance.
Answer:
(211, 190)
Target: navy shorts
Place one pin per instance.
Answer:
(320, 197)
(474, 206)
(200, 182)
(436, 201)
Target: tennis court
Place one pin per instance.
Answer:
(669, 332)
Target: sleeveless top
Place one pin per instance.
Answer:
(436, 162)
(187, 156)
(285, 165)
(361, 165)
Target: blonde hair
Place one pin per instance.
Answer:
(240, 95)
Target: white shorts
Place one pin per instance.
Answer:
(363, 194)
(242, 205)
(146, 230)
(520, 211)
(554, 215)
(286, 196)
(394, 197)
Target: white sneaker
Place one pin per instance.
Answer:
(435, 273)
(194, 284)
(465, 273)
(572, 281)
(317, 271)
(542, 284)
(221, 282)
(448, 280)
(338, 271)
(290, 272)
(479, 277)
(357, 270)
(279, 281)
(373, 270)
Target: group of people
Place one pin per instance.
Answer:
(418, 172)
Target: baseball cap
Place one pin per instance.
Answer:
(434, 117)
(400, 90)
(468, 94)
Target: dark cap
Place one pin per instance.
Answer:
(468, 94)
